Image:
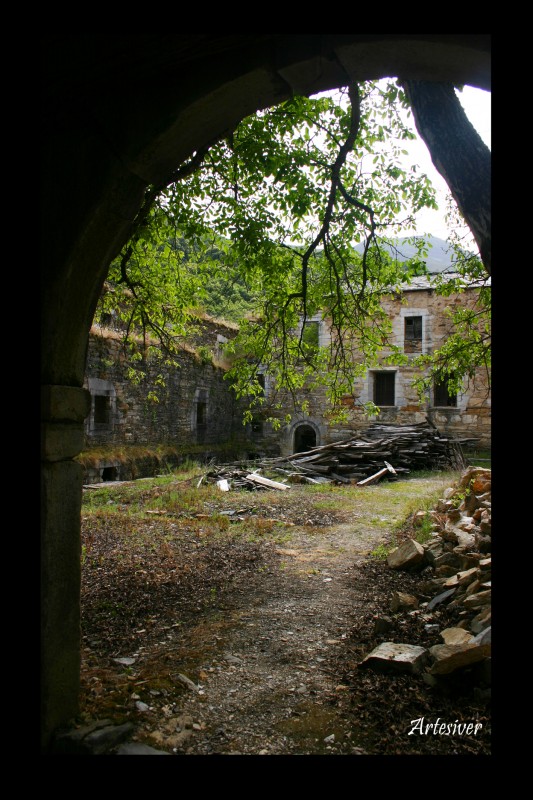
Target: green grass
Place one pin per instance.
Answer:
(479, 458)
(382, 551)
(177, 503)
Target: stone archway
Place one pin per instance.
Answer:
(304, 437)
(120, 113)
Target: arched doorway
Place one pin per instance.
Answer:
(305, 438)
(121, 113)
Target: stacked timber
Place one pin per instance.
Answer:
(382, 450)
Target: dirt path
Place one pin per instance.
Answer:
(266, 686)
(253, 647)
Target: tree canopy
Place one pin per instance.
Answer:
(269, 217)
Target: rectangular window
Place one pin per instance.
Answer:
(384, 388)
(413, 335)
(201, 413)
(442, 396)
(102, 409)
(201, 421)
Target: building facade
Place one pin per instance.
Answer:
(420, 325)
(193, 407)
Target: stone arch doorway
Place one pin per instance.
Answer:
(305, 438)
(120, 114)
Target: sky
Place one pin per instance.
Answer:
(477, 105)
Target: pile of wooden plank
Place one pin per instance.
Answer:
(382, 450)
(227, 478)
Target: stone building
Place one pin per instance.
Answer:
(197, 413)
(420, 324)
(188, 407)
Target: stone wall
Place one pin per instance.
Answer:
(196, 408)
(469, 417)
(187, 405)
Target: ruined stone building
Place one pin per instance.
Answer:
(196, 410)
(189, 406)
(420, 324)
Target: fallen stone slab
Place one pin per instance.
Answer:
(440, 598)
(451, 657)
(462, 578)
(433, 550)
(478, 599)
(456, 636)
(393, 657)
(484, 637)
(481, 621)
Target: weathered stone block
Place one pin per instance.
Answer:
(478, 600)
(456, 636)
(462, 578)
(445, 571)
(392, 657)
(451, 657)
(64, 403)
(484, 636)
(401, 601)
(409, 555)
(481, 621)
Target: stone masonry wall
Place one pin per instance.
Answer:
(195, 407)
(470, 418)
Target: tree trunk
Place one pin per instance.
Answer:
(458, 153)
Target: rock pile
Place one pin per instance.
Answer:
(456, 565)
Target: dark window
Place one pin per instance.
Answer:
(442, 395)
(201, 421)
(201, 413)
(257, 425)
(102, 409)
(413, 335)
(384, 388)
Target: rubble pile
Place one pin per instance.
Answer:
(456, 567)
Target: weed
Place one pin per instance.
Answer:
(425, 530)
(381, 552)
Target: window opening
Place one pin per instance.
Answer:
(102, 409)
(413, 335)
(384, 388)
(442, 396)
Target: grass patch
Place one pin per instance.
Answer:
(479, 458)
(424, 531)
(381, 552)
(176, 501)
